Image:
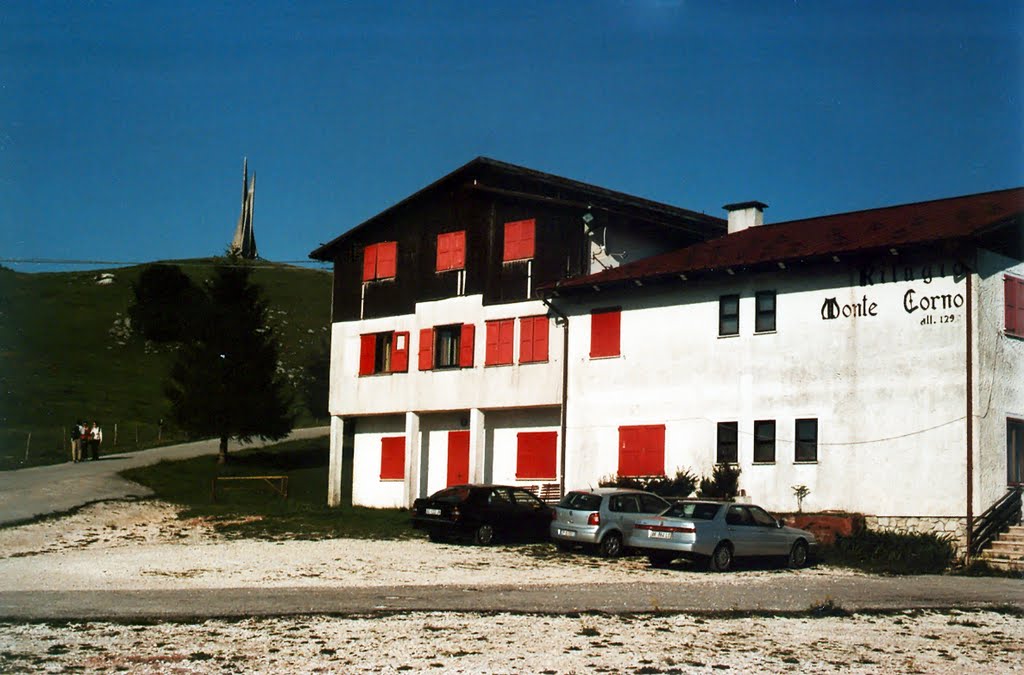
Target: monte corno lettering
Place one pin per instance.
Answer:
(912, 302)
(831, 309)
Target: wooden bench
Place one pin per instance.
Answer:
(550, 493)
(278, 484)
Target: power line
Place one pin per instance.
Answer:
(126, 263)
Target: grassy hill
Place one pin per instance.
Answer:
(67, 353)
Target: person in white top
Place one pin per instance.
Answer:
(95, 439)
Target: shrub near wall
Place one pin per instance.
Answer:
(892, 552)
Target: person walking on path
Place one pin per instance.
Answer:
(95, 438)
(76, 441)
(83, 443)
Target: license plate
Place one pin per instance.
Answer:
(433, 512)
(566, 533)
(655, 534)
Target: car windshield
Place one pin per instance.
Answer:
(580, 501)
(694, 510)
(451, 495)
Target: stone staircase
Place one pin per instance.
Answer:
(1006, 552)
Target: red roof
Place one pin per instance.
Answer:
(843, 233)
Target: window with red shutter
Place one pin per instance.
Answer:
(380, 261)
(367, 353)
(426, 348)
(400, 352)
(451, 251)
(533, 339)
(519, 240)
(1013, 296)
(537, 454)
(392, 458)
(642, 450)
(466, 345)
(605, 326)
(499, 342)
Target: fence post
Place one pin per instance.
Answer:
(115, 434)
(136, 435)
(28, 443)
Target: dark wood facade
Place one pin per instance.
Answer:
(479, 198)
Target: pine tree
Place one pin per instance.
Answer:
(224, 382)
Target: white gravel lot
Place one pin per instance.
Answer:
(143, 545)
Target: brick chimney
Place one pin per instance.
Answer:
(745, 214)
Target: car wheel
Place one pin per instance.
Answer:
(798, 555)
(611, 545)
(659, 561)
(484, 535)
(721, 559)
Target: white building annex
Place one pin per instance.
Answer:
(505, 325)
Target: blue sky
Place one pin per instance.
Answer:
(123, 125)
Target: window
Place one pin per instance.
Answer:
(1014, 452)
(537, 454)
(727, 449)
(392, 458)
(499, 342)
(605, 325)
(447, 346)
(764, 317)
(764, 441)
(807, 440)
(519, 240)
(729, 315)
(1013, 292)
(380, 260)
(642, 450)
(451, 251)
(383, 353)
(533, 339)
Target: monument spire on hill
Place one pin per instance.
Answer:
(244, 242)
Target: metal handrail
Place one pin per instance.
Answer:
(998, 517)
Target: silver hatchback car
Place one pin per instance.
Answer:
(719, 532)
(602, 517)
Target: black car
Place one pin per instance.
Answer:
(482, 513)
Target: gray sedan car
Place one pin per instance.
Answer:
(719, 532)
(602, 517)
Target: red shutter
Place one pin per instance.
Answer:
(367, 353)
(387, 259)
(392, 458)
(628, 451)
(526, 340)
(1013, 292)
(458, 250)
(492, 354)
(426, 348)
(537, 454)
(458, 457)
(519, 236)
(400, 352)
(642, 450)
(605, 325)
(370, 262)
(466, 345)
(540, 338)
(444, 255)
(505, 338)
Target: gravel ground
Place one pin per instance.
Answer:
(142, 545)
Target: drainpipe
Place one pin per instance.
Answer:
(564, 320)
(970, 414)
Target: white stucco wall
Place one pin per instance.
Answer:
(509, 386)
(367, 487)
(888, 389)
(999, 378)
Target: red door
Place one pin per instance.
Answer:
(458, 457)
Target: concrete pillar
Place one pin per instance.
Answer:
(477, 446)
(334, 464)
(413, 458)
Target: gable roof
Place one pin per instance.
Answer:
(598, 197)
(916, 224)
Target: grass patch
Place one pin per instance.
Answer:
(891, 553)
(253, 510)
(978, 568)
